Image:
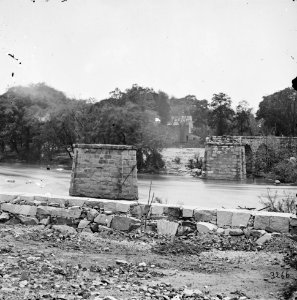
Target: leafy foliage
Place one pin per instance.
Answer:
(276, 203)
(278, 112)
(39, 122)
(221, 114)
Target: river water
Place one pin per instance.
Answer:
(171, 189)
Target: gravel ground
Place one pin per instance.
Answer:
(40, 263)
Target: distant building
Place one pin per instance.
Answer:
(181, 127)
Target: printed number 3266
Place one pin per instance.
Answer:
(282, 275)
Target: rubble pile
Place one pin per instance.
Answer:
(30, 273)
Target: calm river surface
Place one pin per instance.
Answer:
(173, 189)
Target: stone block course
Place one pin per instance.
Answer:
(157, 210)
(140, 210)
(240, 219)
(73, 213)
(26, 210)
(123, 206)
(256, 223)
(174, 212)
(29, 198)
(279, 224)
(8, 197)
(261, 221)
(110, 206)
(202, 215)
(187, 212)
(224, 218)
(75, 201)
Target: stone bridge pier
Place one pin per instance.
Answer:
(225, 159)
(232, 157)
(104, 171)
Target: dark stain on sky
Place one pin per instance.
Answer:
(48, 1)
(13, 57)
(294, 84)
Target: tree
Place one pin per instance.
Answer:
(163, 107)
(221, 114)
(200, 114)
(278, 112)
(242, 119)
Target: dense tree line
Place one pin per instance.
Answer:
(38, 122)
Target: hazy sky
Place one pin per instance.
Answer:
(86, 48)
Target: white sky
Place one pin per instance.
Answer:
(86, 48)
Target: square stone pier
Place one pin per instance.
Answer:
(104, 171)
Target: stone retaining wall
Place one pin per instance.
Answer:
(89, 214)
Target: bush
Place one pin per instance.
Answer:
(195, 163)
(152, 162)
(177, 160)
(160, 200)
(285, 171)
(287, 202)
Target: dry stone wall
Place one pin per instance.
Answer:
(104, 171)
(92, 214)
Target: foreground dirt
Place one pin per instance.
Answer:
(38, 263)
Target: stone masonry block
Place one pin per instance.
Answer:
(123, 207)
(165, 227)
(204, 227)
(103, 219)
(187, 212)
(74, 213)
(28, 198)
(240, 219)
(26, 210)
(83, 224)
(72, 201)
(205, 215)
(293, 222)
(28, 220)
(92, 214)
(42, 198)
(174, 211)
(124, 223)
(110, 206)
(157, 210)
(279, 224)
(261, 221)
(7, 197)
(224, 218)
(140, 210)
(56, 200)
